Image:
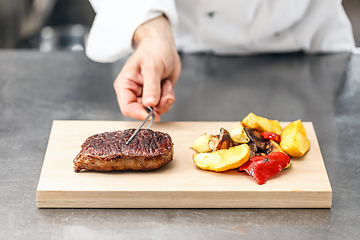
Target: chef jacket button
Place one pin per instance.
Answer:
(211, 14)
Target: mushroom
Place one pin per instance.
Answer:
(222, 141)
(256, 137)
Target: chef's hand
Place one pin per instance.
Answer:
(140, 82)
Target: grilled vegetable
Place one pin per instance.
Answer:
(256, 145)
(238, 134)
(208, 143)
(225, 140)
(253, 150)
(201, 144)
(214, 141)
(263, 167)
(256, 137)
(272, 146)
(271, 136)
(293, 139)
(262, 124)
(224, 159)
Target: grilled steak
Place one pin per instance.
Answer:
(108, 151)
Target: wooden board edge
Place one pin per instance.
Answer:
(85, 199)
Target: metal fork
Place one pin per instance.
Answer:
(151, 114)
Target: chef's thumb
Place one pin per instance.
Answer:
(152, 86)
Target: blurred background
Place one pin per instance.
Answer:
(47, 25)
(53, 25)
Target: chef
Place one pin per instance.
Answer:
(153, 31)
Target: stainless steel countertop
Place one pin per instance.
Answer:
(37, 88)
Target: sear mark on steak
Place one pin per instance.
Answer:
(108, 151)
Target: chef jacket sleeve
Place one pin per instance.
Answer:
(111, 34)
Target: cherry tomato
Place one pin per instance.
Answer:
(271, 136)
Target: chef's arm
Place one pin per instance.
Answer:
(140, 28)
(111, 34)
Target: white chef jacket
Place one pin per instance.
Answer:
(224, 27)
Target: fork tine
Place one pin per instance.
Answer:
(151, 114)
(151, 109)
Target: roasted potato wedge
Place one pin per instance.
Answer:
(201, 144)
(294, 140)
(222, 160)
(262, 124)
(238, 133)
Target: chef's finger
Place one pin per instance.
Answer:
(133, 109)
(127, 92)
(129, 105)
(152, 73)
(167, 97)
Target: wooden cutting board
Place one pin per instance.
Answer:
(180, 184)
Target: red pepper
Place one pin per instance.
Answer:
(263, 167)
(271, 136)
